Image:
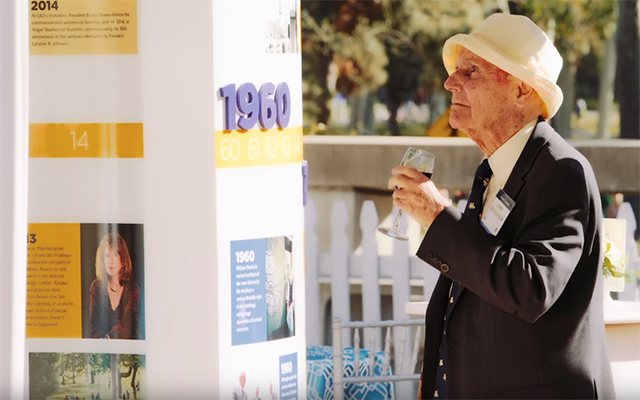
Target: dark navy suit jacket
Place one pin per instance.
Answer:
(528, 321)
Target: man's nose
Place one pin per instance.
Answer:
(452, 83)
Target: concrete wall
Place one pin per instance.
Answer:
(357, 168)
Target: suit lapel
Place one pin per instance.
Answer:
(539, 137)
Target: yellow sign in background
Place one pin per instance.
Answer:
(54, 294)
(258, 148)
(83, 27)
(86, 140)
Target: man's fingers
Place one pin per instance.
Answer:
(404, 196)
(403, 176)
(416, 194)
(408, 171)
(398, 181)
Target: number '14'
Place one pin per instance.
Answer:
(81, 142)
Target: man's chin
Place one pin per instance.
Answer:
(454, 122)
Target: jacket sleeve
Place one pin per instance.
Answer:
(525, 273)
(129, 321)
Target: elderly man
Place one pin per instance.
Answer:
(517, 311)
(239, 393)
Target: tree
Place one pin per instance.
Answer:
(374, 44)
(577, 27)
(344, 33)
(116, 390)
(99, 364)
(397, 45)
(628, 73)
(317, 55)
(132, 363)
(75, 364)
(43, 369)
(414, 39)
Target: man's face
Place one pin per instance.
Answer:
(481, 91)
(243, 380)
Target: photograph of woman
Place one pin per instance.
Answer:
(115, 297)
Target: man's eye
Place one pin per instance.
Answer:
(472, 70)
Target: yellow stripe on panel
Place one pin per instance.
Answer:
(93, 140)
(258, 148)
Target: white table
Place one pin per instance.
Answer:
(622, 326)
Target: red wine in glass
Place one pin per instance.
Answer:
(424, 162)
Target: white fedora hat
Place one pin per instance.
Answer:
(518, 46)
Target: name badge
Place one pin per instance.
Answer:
(497, 212)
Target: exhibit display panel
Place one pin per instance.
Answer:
(85, 246)
(259, 179)
(165, 211)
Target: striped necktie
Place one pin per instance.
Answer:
(474, 212)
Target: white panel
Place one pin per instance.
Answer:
(176, 49)
(258, 202)
(88, 89)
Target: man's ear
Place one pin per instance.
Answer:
(525, 94)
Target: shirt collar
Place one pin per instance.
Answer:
(504, 159)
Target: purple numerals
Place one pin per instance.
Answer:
(247, 106)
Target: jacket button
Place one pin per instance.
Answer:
(429, 258)
(444, 268)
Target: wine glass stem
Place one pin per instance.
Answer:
(396, 224)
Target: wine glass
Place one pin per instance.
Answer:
(424, 162)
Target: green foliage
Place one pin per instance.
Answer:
(615, 265)
(609, 268)
(43, 369)
(75, 363)
(395, 47)
(136, 361)
(100, 363)
(577, 26)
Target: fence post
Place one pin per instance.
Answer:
(340, 292)
(370, 272)
(401, 291)
(338, 384)
(312, 289)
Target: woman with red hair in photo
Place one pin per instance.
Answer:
(115, 297)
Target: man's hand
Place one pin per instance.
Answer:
(416, 195)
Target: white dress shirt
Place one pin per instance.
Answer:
(504, 159)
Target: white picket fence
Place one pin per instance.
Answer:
(371, 268)
(368, 268)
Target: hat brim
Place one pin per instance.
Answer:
(550, 93)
